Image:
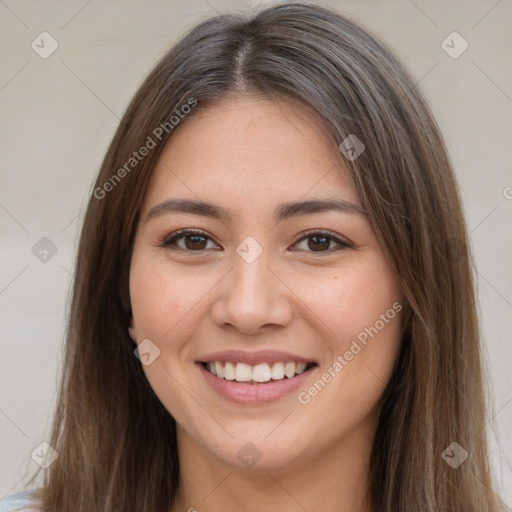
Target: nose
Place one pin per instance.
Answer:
(252, 297)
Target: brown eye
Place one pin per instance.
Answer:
(190, 240)
(320, 242)
(193, 241)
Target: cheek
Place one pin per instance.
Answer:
(163, 310)
(354, 301)
(363, 313)
(367, 310)
(360, 311)
(162, 299)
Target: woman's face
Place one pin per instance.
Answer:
(275, 281)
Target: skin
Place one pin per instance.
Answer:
(250, 155)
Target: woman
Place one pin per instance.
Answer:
(273, 305)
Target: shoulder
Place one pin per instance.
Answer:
(24, 501)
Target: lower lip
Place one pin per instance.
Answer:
(264, 392)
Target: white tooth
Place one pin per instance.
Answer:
(243, 372)
(300, 367)
(289, 370)
(229, 371)
(219, 370)
(277, 371)
(261, 373)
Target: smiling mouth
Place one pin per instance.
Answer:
(258, 373)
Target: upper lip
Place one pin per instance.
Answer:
(255, 357)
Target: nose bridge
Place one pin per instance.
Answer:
(251, 277)
(252, 296)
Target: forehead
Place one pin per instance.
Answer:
(249, 151)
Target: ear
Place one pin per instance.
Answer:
(131, 331)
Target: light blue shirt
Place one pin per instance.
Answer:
(18, 501)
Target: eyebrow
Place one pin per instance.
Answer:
(281, 212)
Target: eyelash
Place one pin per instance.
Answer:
(171, 239)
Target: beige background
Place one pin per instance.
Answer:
(58, 115)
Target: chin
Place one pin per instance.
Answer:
(257, 455)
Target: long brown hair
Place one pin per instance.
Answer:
(116, 442)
